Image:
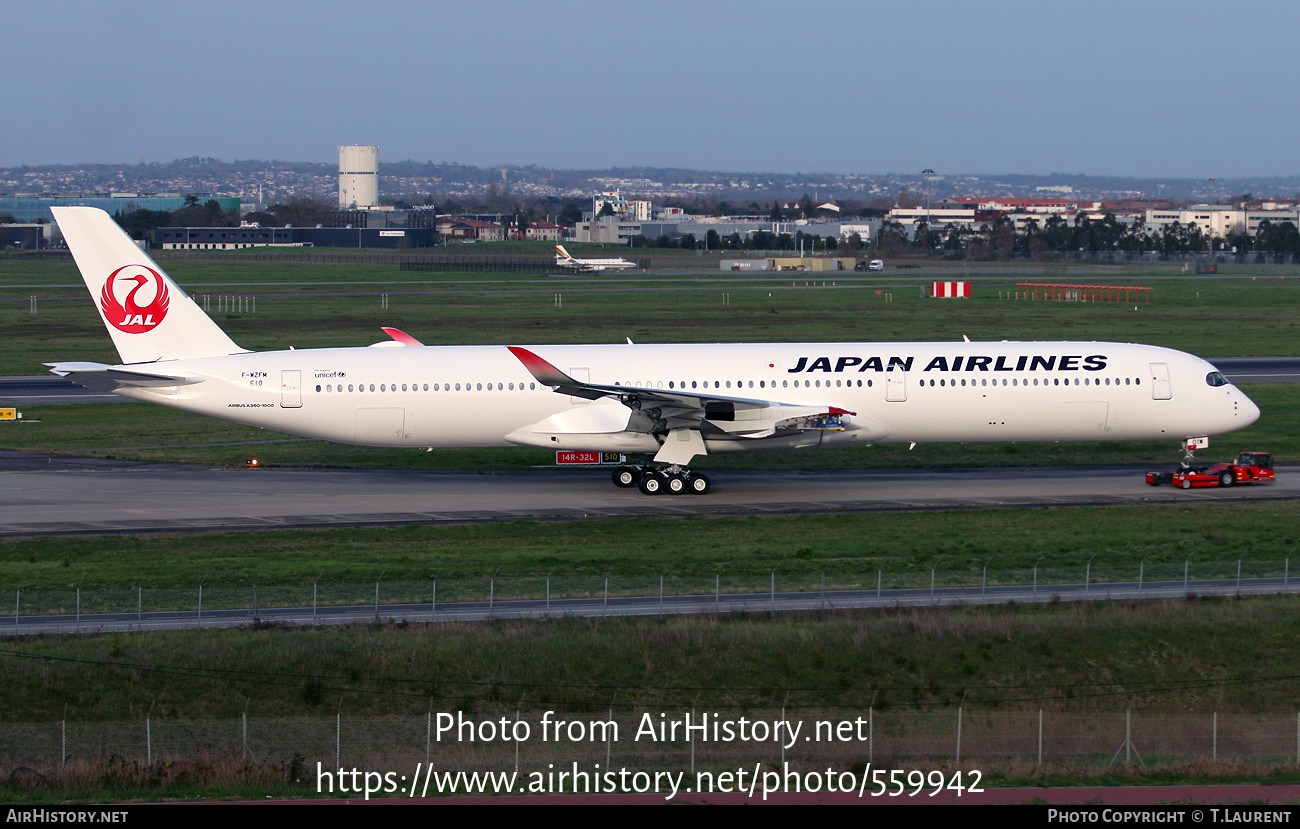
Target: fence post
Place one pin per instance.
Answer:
(148, 742)
(65, 739)
(1128, 737)
(1040, 736)
(1185, 565)
(871, 734)
(692, 751)
(243, 731)
(1214, 742)
(1239, 574)
(428, 735)
(717, 605)
(878, 585)
(959, 733)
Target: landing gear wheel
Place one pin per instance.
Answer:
(651, 483)
(675, 484)
(699, 484)
(1227, 479)
(626, 477)
(1187, 484)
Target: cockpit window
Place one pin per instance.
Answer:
(1215, 378)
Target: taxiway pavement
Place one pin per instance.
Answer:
(42, 495)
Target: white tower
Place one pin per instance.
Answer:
(358, 176)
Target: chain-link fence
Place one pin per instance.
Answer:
(664, 740)
(498, 589)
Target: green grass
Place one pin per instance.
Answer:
(1077, 657)
(849, 548)
(307, 305)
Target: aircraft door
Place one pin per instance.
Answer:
(582, 375)
(1160, 386)
(290, 389)
(896, 386)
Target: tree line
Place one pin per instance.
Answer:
(999, 239)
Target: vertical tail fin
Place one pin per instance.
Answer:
(562, 252)
(147, 314)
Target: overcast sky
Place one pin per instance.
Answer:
(1143, 88)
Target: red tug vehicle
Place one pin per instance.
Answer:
(1250, 467)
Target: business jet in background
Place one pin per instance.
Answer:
(668, 403)
(564, 259)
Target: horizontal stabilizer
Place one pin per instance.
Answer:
(103, 377)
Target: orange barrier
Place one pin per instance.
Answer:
(1082, 293)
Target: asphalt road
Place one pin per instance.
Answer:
(43, 495)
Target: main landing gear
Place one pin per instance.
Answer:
(673, 480)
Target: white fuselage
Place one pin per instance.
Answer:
(442, 396)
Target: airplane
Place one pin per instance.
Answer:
(668, 403)
(562, 257)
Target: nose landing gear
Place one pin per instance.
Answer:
(671, 479)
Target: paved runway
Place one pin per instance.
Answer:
(41, 495)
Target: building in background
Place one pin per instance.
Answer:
(235, 238)
(358, 176)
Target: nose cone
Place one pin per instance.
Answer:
(1247, 411)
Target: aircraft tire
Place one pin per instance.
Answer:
(675, 485)
(699, 484)
(651, 483)
(625, 477)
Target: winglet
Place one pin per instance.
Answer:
(546, 374)
(401, 336)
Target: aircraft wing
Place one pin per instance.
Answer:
(102, 377)
(673, 409)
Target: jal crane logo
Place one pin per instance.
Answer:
(131, 316)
